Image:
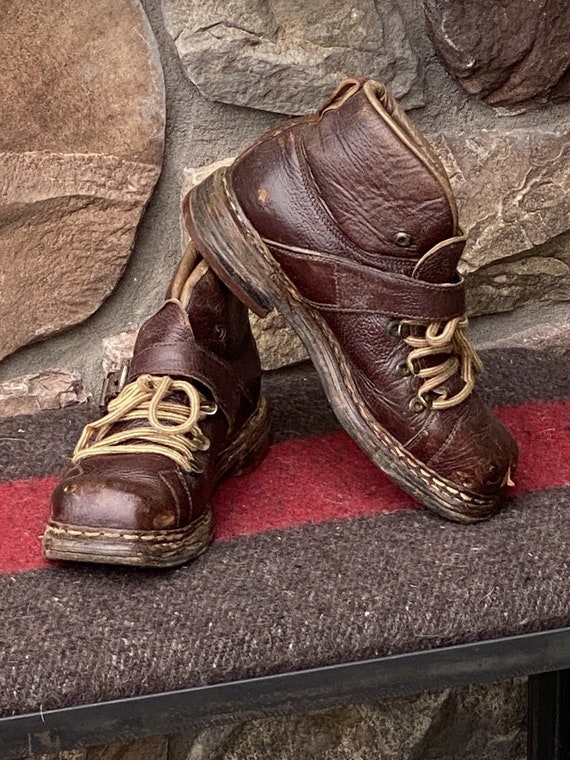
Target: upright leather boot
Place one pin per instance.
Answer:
(345, 221)
(139, 487)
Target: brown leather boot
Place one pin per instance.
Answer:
(345, 221)
(138, 491)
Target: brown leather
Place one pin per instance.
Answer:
(209, 343)
(357, 210)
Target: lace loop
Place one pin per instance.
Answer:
(172, 427)
(442, 338)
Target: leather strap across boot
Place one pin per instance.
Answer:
(138, 490)
(345, 221)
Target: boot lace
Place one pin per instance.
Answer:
(442, 338)
(172, 427)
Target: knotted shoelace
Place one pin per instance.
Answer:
(172, 427)
(443, 338)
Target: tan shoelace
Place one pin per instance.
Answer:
(443, 338)
(172, 427)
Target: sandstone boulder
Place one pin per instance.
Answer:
(288, 55)
(508, 53)
(80, 151)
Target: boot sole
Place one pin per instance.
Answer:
(161, 548)
(236, 252)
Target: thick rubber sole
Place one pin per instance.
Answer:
(162, 548)
(225, 238)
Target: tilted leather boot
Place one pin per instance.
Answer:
(345, 221)
(138, 490)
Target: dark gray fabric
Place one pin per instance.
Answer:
(282, 601)
(39, 445)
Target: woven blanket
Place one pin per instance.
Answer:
(318, 558)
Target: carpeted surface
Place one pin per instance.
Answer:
(319, 559)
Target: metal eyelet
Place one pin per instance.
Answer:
(403, 369)
(200, 443)
(419, 404)
(210, 408)
(397, 329)
(402, 239)
(219, 332)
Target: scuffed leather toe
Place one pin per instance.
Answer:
(480, 455)
(99, 494)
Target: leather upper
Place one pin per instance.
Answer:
(210, 344)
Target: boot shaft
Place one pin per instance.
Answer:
(356, 180)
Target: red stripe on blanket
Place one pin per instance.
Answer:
(305, 481)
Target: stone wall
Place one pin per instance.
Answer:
(82, 149)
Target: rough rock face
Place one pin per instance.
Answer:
(482, 723)
(117, 350)
(52, 389)
(287, 55)
(509, 53)
(80, 151)
(512, 191)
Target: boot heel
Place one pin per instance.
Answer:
(226, 240)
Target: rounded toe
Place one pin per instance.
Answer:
(97, 495)
(489, 461)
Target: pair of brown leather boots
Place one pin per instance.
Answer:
(344, 221)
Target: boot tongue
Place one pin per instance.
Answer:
(169, 325)
(206, 308)
(208, 315)
(439, 264)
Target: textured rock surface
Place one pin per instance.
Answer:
(509, 53)
(512, 190)
(48, 390)
(475, 723)
(80, 151)
(118, 349)
(155, 748)
(278, 343)
(538, 326)
(287, 55)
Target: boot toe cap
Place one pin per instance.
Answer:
(483, 458)
(99, 495)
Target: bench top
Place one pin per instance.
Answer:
(319, 559)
